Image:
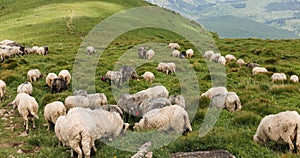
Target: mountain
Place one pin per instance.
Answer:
(264, 19)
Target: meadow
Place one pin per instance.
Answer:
(63, 25)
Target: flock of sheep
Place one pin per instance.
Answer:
(83, 118)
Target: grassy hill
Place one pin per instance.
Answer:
(62, 25)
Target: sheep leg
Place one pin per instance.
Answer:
(26, 124)
(288, 140)
(75, 146)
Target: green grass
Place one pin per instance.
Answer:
(62, 25)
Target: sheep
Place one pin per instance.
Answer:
(294, 79)
(215, 57)
(252, 65)
(80, 92)
(34, 74)
(172, 67)
(97, 99)
(76, 101)
(257, 70)
(60, 124)
(35, 48)
(214, 91)
(148, 76)
(175, 53)
(278, 77)
(58, 85)
(165, 119)
(150, 104)
(157, 92)
(282, 128)
(50, 78)
(27, 107)
(25, 87)
(128, 72)
(52, 111)
(142, 51)
(222, 60)
(240, 62)
(164, 67)
(178, 100)
(65, 74)
(229, 101)
(29, 51)
(115, 77)
(189, 53)
(42, 50)
(150, 54)
(2, 89)
(7, 42)
(182, 55)
(208, 54)
(90, 50)
(230, 57)
(174, 46)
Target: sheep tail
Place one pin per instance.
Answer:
(33, 113)
(187, 123)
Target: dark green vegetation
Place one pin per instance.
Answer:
(61, 25)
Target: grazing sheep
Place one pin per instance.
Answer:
(27, 107)
(222, 60)
(148, 76)
(215, 57)
(278, 77)
(169, 118)
(28, 51)
(96, 99)
(229, 101)
(35, 48)
(150, 104)
(230, 57)
(150, 54)
(76, 101)
(65, 74)
(189, 53)
(214, 91)
(182, 55)
(294, 79)
(252, 65)
(164, 67)
(42, 50)
(90, 50)
(282, 128)
(157, 92)
(142, 51)
(177, 100)
(240, 62)
(80, 92)
(116, 77)
(52, 111)
(257, 70)
(208, 54)
(172, 67)
(7, 42)
(174, 46)
(60, 124)
(2, 89)
(34, 74)
(175, 53)
(50, 78)
(127, 73)
(25, 87)
(58, 85)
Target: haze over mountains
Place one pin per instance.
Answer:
(274, 19)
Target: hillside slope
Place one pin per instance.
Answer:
(62, 26)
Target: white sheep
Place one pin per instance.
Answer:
(148, 76)
(60, 124)
(175, 53)
(222, 60)
(164, 67)
(294, 79)
(150, 54)
(214, 91)
(2, 89)
(174, 46)
(172, 67)
(33, 75)
(52, 111)
(169, 118)
(189, 53)
(230, 57)
(50, 78)
(90, 50)
(282, 128)
(229, 101)
(25, 87)
(96, 99)
(240, 62)
(27, 107)
(257, 70)
(208, 54)
(278, 77)
(215, 57)
(177, 100)
(150, 104)
(42, 50)
(76, 101)
(65, 74)
(34, 49)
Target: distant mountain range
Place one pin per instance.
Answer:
(274, 19)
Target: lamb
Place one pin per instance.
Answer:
(142, 51)
(52, 111)
(174, 46)
(230, 57)
(76, 101)
(222, 60)
(208, 54)
(34, 74)
(282, 128)
(229, 101)
(35, 48)
(169, 118)
(214, 91)
(172, 67)
(294, 79)
(90, 50)
(2, 89)
(252, 65)
(177, 100)
(215, 57)
(50, 78)
(278, 77)
(175, 53)
(27, 107)
(189, 53)
(150, 54)
(164, 67)
(148, 76)
(65, 74)
(257, 70)
(128, 72)
(42, 50)
(240, 62)
(25, 87)
(58, 85)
